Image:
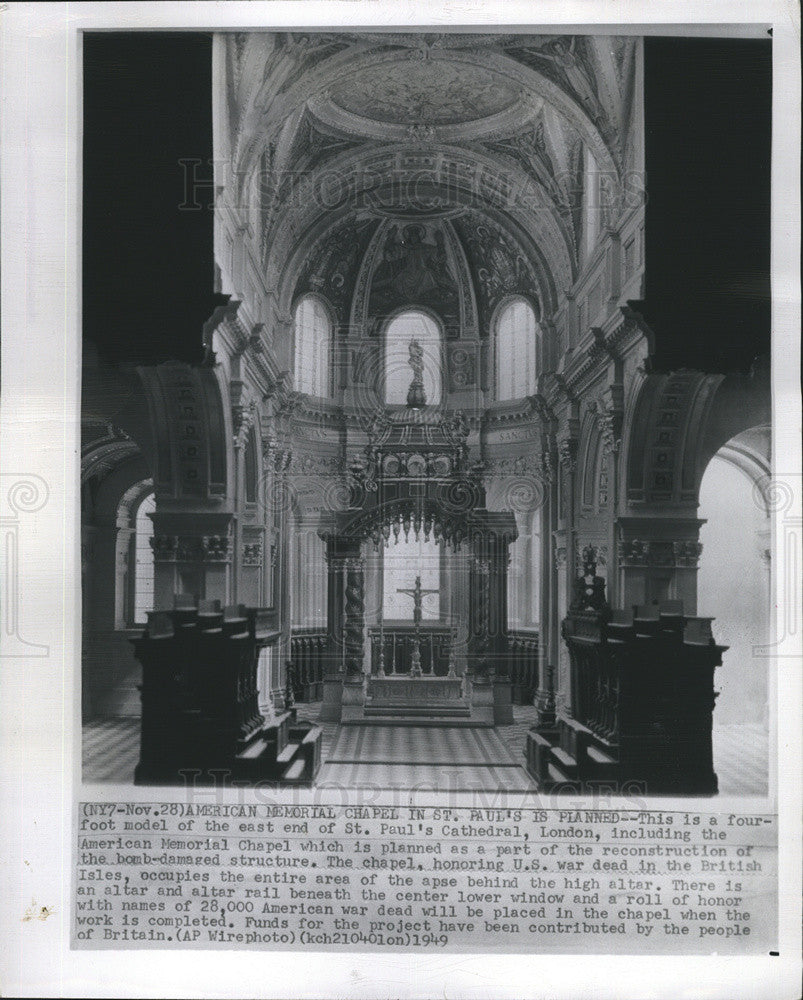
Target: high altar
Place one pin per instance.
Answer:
(415, 480)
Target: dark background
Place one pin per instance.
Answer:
(708, 116)
(148, 266)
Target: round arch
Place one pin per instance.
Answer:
(313, 339)
(395, 363)
(518, 361)
(365, 179)
(733, 581)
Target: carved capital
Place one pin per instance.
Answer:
(164, 548)
(687, 554)
(634, 552)
(216, 548)
(252, 554)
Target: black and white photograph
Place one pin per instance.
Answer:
(400, 500)
(426, 410)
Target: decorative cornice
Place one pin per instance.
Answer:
(608, 341)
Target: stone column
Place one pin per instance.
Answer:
(354, 618)
(564, 562)
(488, 650)
(479, 610)
(549, 637)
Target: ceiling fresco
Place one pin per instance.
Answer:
(435, 93)
(483, 133)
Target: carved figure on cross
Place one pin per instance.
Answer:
(417, 593)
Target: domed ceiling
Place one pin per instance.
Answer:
(481, 135)
(430, 93)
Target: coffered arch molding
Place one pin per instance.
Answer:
(662, 462)
(191, 416)
(264, 113)
(591, 456)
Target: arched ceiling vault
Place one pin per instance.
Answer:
(413, 183)
(344, 128)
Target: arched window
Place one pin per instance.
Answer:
(313, 334)
(518, 336)
(400, 333)
(143, 561)
(402, 563)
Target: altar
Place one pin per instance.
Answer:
(415, 481)
(425, 699)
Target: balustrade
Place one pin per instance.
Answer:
(523, 657)
(398, 640)
(308, 663)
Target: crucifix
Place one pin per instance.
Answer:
(416, 592)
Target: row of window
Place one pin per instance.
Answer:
(518, 346)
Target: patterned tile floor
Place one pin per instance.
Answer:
(457, 759)
(460, 759)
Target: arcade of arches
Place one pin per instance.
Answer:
(428, 411)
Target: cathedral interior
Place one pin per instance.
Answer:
(426, 418)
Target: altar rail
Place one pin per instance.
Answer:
(523, 651)
(307, 657)
(398, 643)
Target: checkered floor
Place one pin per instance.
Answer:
(457, 759)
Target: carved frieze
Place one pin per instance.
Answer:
(609, 420)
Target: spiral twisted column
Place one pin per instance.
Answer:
(354, 617)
